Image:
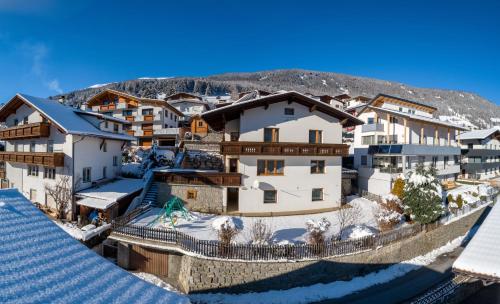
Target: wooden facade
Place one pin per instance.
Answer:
(199, 126)
(2, 170)
(284, 148)
(149, 260)
(55, 159)
(34, 130)
(200, 178)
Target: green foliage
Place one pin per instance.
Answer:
(398, 188)
(460, 201)
(475, 194)
(483, 198)
(450, 198)
(422, 195)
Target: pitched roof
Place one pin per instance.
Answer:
(138, 99)
(66, 118)
(43, 264)
(215, 118)
(479, 134)
(384, 97)
(480, 257)
(415, 117)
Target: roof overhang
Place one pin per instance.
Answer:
(216, 118)
(378, 100)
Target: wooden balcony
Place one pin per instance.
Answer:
(39, 129)
(285, 148)
(147, 132)
(2, 170)
(108, 107)
(131, 132)
(200, 178)
(148, 117)
(36, 158)
(130, 118)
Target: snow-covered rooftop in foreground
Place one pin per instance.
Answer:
(104, 196)
(481, 257)
(43, 264)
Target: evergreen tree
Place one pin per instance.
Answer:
(422, 195)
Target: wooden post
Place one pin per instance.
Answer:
(422, 135)
(449, 142)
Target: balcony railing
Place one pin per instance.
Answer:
(372, 127)
(2, 170)
(108, 107)
(148, 117)
(129, 118)
(131, 132)
(36, 158)
(147, 132)
(167, 131)
(261, 148)
(39, 129)
(200, 178)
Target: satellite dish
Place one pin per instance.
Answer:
(256, 184)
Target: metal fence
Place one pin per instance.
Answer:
(251, 252)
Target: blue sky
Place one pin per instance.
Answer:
(51, 46)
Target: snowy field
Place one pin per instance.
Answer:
(286, 228)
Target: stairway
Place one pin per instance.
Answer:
(152, 195)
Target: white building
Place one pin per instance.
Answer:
(481, 153)
(188, 104)
(46, 140)
(288, 149)
(397, 135)
(152, 120)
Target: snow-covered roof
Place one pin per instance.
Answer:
(481, 257)
(479, 134)
(104, 196)
(67, 118)
(43, 264)
(102, 116)
(419, 118)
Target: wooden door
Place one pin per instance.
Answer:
(149, 260)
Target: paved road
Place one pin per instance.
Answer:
(404, 288)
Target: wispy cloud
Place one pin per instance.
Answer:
(37, 53)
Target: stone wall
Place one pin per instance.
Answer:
(208, 198)
(207, 275)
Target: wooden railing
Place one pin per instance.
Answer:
(108, 107)
(261, 148)
(129, 118)
(131, 132)
(39, 129)
(148, 117)
(2, 170)
(36, 158)
(147, 132)
(200, 178)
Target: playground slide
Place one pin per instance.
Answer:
(178, 159)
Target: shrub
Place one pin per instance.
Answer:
(422, 195)
(483, 198)
(392, 203)
(459, 201)
(387, 219)
(450, 199)
(261, 233)
(316, 234)
(398, 188)
(475, 194)
(226, 229)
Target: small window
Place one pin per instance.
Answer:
(25, 120)
(87, 175)
(289, 111)
(32, 170)
(49, 173)
(317, 194)
(191, 194)
(32, 146)
(127, 112)
(200, 123)
(400, 109)
(171, 116)
(175, 117)
(271, 135)
(434, 161)
(270, 196)
(315, 136)
(106, 124)
(16, 122)
(50, 146)
(147, 111)
(317, 166)
(104, 172)
(115, 161)
(370, 120)
(393, 119)
(115, 128)
(364, 160)
(270, 167)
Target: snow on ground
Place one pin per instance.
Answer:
(132, 169)
(286, 228)
(79, 234)
(333, 290)
(151, 278)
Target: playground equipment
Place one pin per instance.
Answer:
(169, 213)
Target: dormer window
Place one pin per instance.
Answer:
(271, 135)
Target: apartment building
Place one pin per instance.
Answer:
(480, 153)
(397, 135)
(151, 120)
(46, 140)
(288, 149)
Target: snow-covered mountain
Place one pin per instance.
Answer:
(468, 109)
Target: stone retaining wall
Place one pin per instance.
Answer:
(208, 198)
(206, 275)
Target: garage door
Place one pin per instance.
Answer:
(149, 260)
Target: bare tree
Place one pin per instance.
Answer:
(61, 194)
(261, 232)
(347, 216)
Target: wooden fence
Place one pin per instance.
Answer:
(250, 252)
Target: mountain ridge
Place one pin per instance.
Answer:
(453, 105)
